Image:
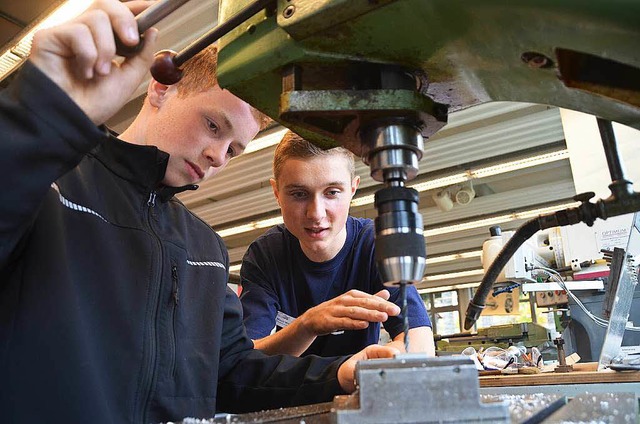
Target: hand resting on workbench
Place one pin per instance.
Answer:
(346, 372)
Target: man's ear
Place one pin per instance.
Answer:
(355, 183)
(274, 186)
(157, 93)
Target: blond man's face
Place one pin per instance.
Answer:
(314, 196)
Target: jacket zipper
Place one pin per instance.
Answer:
(149, 361)
(174, 314)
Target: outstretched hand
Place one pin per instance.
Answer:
(353, 310)
(346, 372)
(79, 56)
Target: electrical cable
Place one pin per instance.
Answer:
(555, 276)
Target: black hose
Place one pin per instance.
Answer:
(521, 235)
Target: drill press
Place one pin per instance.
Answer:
(389, 140)
(375, 76)
(335, 73)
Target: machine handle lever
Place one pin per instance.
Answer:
(166, 67)
(145, 20)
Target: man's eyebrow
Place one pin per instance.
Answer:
(290, 186)
(225, 119)
(298, 186)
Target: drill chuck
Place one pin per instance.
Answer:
(400, 246)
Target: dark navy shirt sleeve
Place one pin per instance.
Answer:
(418, 316)
(259, 300)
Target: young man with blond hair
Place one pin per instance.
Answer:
(114, 306)
(314, 278)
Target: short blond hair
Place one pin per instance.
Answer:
(200, 73)
(294, 146)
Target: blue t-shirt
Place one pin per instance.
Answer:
(279, 281)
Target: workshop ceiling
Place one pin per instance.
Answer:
(16, 16)
(478, 137)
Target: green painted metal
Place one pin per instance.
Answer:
(471, 50)
(501, 336)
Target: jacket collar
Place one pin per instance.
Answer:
(143, 166)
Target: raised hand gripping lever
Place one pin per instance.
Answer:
(146, 20)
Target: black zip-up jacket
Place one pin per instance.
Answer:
(114, 306)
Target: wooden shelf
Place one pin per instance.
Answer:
(583, 374)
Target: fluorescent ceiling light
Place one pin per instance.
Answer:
(486, 222)
(266, 140)
(430, 261)
(13, 57)
(520, 164)
(450, 275)
(442, 182)
(363, 200)
(448, 288)
(472, 174)
(532, 213)
(454, 257)
(254, 225)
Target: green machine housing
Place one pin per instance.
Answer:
(327, 68)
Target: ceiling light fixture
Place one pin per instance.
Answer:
(430, 261)
(520, 164)
(14, 56)
(443, 200)
(267, 140)
(472, 174)
(362, 200)
(454, 257)
(442, 182)
(465, 194)
(450, 275)
(448, 288)
(485, 222)
(253, 225)
(428, 278)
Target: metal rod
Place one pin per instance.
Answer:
(532, 307)
(221, 30)
(611, 149)
(154, 14)
(405, 314)
(145, 20)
